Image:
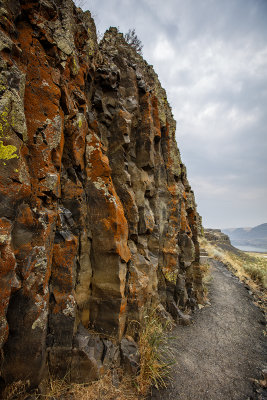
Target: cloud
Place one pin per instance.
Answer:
(163, 50)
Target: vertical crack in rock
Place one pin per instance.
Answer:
(97, 219)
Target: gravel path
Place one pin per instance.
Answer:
(223, 350)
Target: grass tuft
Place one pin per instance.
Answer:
(156, 356)
(103, 389)
(206, 279)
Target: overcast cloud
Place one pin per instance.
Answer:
(211, 57)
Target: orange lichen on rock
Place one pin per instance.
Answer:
(98, 222)
(99, 173)
(184, 222)
(7, 275)
(64, 254)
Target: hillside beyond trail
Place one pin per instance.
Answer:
(219, 355)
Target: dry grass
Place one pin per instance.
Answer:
(155, 363)
(206, 279)
(156, 356)
(103, 389)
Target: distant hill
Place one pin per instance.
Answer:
(256, 236)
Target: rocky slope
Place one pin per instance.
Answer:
(97, 219)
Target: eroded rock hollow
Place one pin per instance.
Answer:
(98, 222)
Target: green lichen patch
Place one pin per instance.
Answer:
(91, 47)
(79, 120)
(2, 87)
(7, 152)
(4, 123)
(80, 123)
(74, 66)
(12, 118)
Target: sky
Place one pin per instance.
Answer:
(211, 57)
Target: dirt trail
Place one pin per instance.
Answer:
(225, 347)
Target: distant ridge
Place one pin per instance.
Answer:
(256, 236)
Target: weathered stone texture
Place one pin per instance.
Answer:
(97, 219)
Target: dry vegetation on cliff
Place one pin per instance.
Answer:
(104, 389)
(156, 359)
(60, 389)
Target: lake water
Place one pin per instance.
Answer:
(251, 248)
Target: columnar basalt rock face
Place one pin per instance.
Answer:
(97, 219)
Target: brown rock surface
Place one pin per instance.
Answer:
(97, 219)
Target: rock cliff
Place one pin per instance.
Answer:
(216, 235)
(97, 219)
